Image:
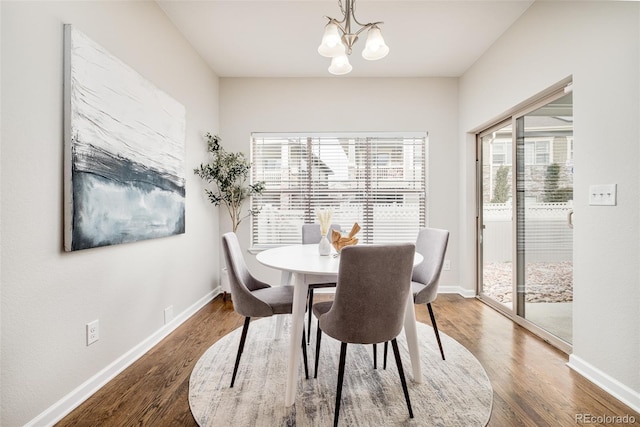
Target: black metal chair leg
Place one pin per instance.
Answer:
(343, 356)
(435, 328)
(318, 338)
(396, 353)
(310, 309)
(386, 348)
(243, 337)
(375, 356)
(304, 354)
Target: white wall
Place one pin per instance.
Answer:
(48, 295)
(353, 104)
(598, 43)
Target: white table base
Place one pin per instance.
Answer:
(301, 288)
(411, 334)
(285, 279)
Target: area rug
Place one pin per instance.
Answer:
(455, 392)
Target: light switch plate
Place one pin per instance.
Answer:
(602, 195)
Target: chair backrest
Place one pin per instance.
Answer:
(241, 281)
(371, 294)
(432, 245)
(311, 232)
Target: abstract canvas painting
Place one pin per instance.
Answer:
(124, 151)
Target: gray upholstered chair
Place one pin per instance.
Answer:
(432, 245)
(311, 235)
(374, 282)
(253, 298)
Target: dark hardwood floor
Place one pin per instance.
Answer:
(532, 384)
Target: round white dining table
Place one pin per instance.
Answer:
(303, 262)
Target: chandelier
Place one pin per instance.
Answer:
(338, 40)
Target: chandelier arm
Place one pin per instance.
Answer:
(366, 26)
(344, 31)
(338, 23)
(348, 14)
(352, 9)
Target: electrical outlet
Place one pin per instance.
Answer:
(446, 266)
(168, 314)
(93, 332)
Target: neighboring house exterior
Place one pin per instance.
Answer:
(550, 143)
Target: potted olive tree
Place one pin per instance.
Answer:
(228, 174)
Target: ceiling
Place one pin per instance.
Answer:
(267, 38)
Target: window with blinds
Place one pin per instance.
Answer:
(378, 181)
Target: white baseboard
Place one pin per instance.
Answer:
(623, 393)
(466, 293)
(64, 406)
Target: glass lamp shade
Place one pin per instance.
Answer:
(375, 47)
(331, 45)
(340, 65)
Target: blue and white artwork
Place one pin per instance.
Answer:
(124, 154)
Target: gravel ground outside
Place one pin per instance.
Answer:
(545, 282)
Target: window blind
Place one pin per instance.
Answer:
(377, 181)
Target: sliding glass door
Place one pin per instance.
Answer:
(496, 236)
(525, 218)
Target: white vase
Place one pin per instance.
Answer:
(324, 247)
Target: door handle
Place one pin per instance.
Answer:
(570, 218)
